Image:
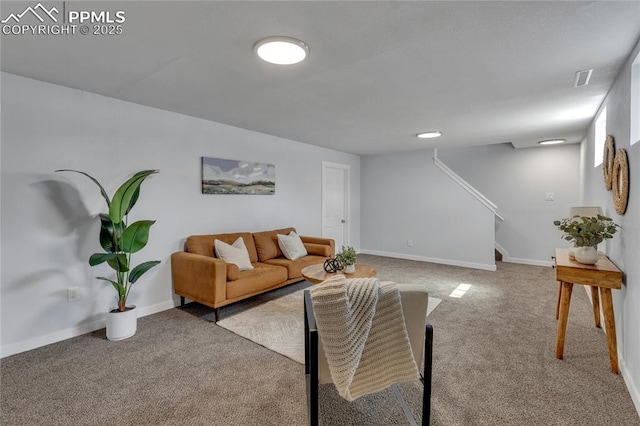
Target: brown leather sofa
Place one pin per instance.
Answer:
(200, 276)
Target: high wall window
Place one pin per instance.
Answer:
(634, 120)
(601, 136)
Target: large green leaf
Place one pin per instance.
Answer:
(118, 261)
(133, 201)
(107, 234)
(98, 258)
(128, 191)
(135, 237)
(141, 269)
(136, 194)
(121, 289)
(102, 191)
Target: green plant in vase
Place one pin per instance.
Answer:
(119, 239)
(586, 232)
(347, 258)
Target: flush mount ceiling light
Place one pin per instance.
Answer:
(281, 50)
(552, 141)
(430, 134)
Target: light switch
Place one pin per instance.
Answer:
(549, 196)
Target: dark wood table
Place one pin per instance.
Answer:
(316, 274)
(601, 277)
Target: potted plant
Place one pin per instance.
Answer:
(347, 259)
(586, 232)
(119, 241)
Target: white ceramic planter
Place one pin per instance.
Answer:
(587, 255)
(349, 269)
(122, 325)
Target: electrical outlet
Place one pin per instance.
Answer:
(73, 294)
(549, 196)
(409, 243)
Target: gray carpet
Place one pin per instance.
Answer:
(494, 365)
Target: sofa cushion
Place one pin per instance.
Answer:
(292, 246)
(266, 243)
(318, 249)
(235, 253)
(232, 272)
(294, 267)
(259, 278)
(203, 244)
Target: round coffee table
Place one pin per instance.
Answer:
(316, 274)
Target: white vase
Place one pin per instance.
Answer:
(122, 325)
(587, 255)
(349, 269)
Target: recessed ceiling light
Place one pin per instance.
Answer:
(582, 78)
(552, 141)
(281, 50)
(430, 134)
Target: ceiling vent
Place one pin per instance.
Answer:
(582, 78)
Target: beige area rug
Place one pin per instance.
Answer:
(278, 325)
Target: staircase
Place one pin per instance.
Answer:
(474, 192)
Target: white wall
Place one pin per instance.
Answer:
(517, 180)
(49, 228)
(405, 196)
(624, 248)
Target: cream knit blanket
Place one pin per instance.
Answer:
(363, 333)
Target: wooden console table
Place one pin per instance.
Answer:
(602, 276)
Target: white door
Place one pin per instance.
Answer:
(335, 203)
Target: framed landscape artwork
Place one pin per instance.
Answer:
(221, 176)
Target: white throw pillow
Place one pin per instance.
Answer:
(292, 246)
(236, 253)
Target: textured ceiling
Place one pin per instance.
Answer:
(378, 72)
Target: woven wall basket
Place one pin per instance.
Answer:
(620, 182)
(607, 162)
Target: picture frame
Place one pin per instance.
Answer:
(237, 177)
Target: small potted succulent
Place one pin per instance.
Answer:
(586, 232)
(347, 259)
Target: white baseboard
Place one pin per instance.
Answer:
(532, 262)
(624, 371)
(502, 250)
(508, 259)
(154, 309)
(486, 267)
(633, 390)
(48, 339)
(68, 333)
